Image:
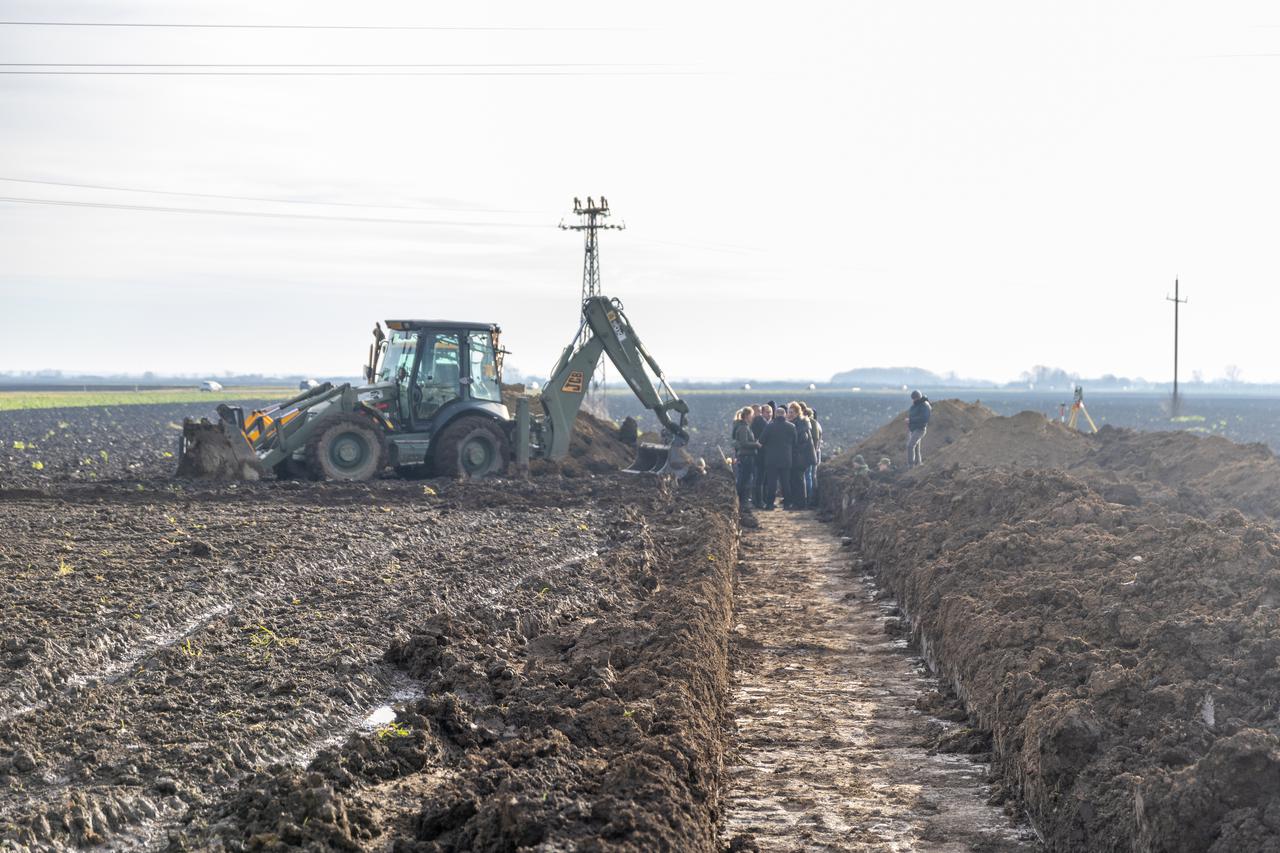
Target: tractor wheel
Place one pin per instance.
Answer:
(347, 447)
(472, 448)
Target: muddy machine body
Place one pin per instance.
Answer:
(432, 404)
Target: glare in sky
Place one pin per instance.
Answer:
(807, 187)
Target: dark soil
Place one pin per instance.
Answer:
(1115, 626)
(95, 443)
(202, 666)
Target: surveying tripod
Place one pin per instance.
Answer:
(1078, 409)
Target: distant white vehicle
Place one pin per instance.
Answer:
(210, 385)
(308, 384)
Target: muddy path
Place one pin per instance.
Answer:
(843, 740)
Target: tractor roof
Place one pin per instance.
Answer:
(406, 325)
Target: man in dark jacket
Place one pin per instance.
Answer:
(917, 425)
(779, 444)
(762, 420)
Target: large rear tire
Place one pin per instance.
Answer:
(346, 448)
(472, 448)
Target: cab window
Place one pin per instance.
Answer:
(484, 367)
(397, 357)
(439, 372)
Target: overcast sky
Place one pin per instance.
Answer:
(807, 187)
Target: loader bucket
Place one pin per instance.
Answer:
(661, 459)
(209, 451)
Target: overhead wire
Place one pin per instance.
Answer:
(373, 73)
(264, 199)
(267, 215)
(383, 27)
(335, 65)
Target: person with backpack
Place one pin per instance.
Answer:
(917, 425)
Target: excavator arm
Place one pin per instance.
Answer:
(605, 330)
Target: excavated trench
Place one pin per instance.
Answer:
(567, 663)
(844, 739)
(1108, 610)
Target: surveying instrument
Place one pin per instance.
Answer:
(1078, 409)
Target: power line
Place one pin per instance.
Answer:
(356, 73)
(335, 65)
(396, 27)
(112, 188)
(263, 215)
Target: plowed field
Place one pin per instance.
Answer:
(424, 666)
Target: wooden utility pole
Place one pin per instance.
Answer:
(1176, 303)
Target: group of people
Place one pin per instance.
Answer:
(777, 450)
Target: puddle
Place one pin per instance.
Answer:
(381, 715)
(402, 689)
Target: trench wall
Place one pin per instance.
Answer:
(595, 724)
(1123, 659)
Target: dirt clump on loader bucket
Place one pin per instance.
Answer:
(207, 453)
(595, 448)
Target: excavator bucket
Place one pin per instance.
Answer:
(209, 451)
(661, 459)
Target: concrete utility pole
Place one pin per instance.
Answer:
(1177, 302)
(589, 222)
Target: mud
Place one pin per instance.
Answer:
(1107, 609)
(418, 666)
(94, 444)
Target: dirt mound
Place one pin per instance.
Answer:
(1026, 440)
(950, 420)
(1124, 658)
(1243, 476)
(1195, 474)
(1116, 628)
(597, 446)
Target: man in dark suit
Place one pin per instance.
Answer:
(779, 445)
(764, 414)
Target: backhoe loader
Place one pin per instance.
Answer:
(432, 404)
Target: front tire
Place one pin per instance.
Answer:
(348, 448)
(472, 448)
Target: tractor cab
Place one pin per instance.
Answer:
(422, 369)
(424, 374)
